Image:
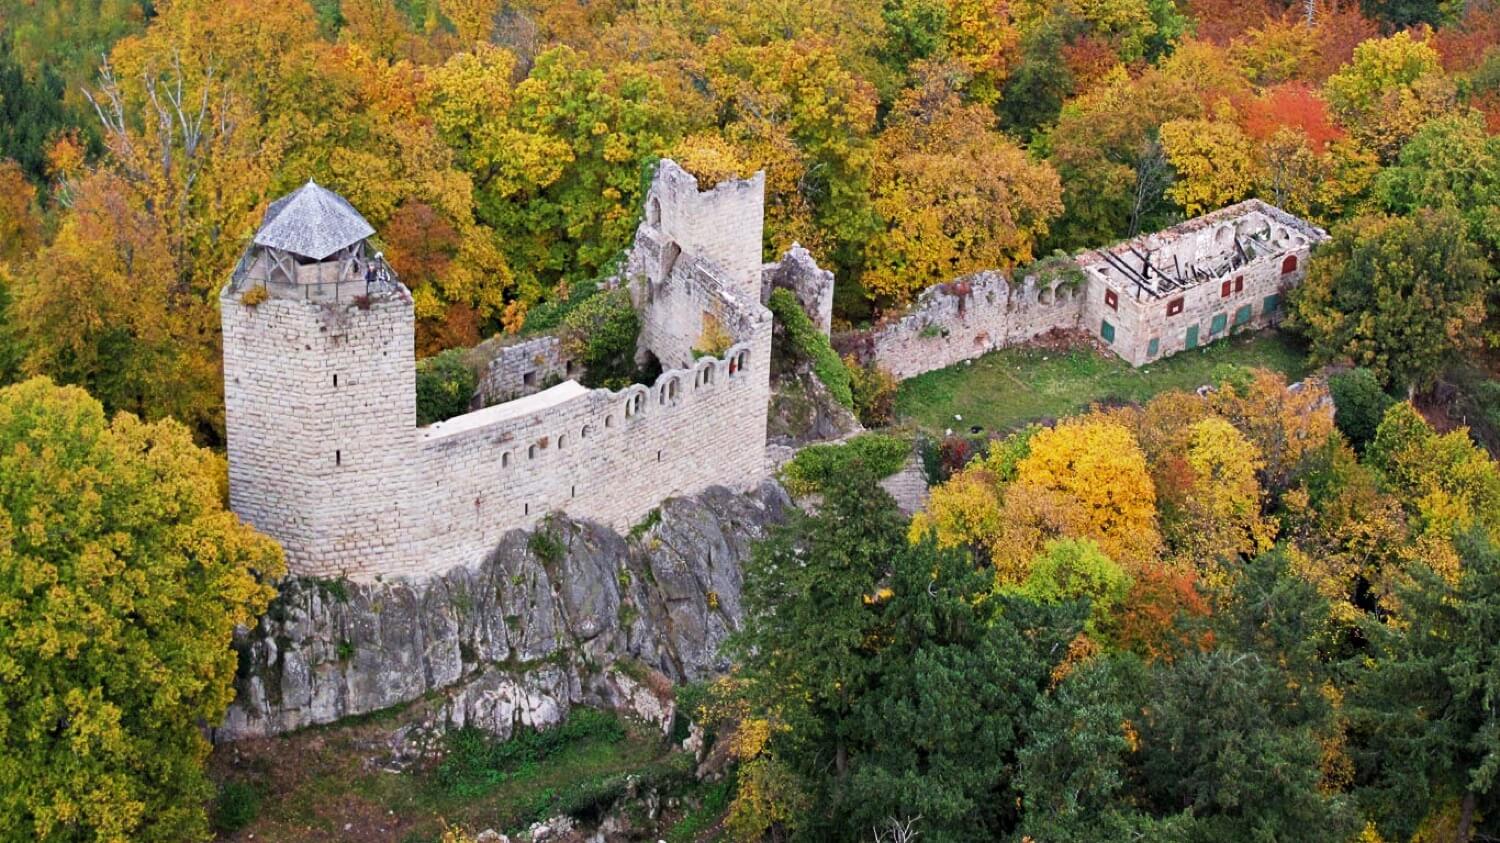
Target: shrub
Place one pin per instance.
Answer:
(254, 296)
(546, 546)
(236, 806)
(874, 391)
(814, 466)
(810, 344)
(1358, 404)
(601, 334)
(445, 385)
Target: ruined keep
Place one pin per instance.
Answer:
(325, 454)
(1146, 298)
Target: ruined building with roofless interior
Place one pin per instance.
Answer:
(325, 453)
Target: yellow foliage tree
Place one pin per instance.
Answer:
(1213, 513)
(1088, 476)
(1214, 161)
(956, 196)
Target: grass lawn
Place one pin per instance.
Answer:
(1006, 389)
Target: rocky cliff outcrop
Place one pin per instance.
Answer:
(569, 613)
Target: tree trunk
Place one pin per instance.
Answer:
(1465, 819)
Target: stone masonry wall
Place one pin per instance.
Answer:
(1247, 298)
(811, 284)
(515, 370)
(964, 319)
(320, 407)
(724, 224)
(979, 313)
(325, 455)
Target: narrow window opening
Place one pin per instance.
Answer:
(658, 456)
(505, 460)
(529, 379)
(572, 491)
(338, 457)
(335, 381)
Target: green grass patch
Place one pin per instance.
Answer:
(1007, 389)
(813, 466)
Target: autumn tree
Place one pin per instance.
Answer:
(125, 581)
(1388, 90)
(955, 195)
(1214, 161)
(1398, 295)
(1212, 512)
(881, 677)
(1451, 162)
(1225, 743)
(100, 307)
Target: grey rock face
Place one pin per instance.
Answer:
(518, 639)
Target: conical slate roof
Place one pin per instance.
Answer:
(312, 222)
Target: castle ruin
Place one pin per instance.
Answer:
(325, 454)
(1144, 299)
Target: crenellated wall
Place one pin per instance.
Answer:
(325, 454)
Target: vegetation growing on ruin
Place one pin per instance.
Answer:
(445, 386)
(815, 466)
(809, 345)
(601, 334)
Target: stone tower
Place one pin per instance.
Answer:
(319, 388)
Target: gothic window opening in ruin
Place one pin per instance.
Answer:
(562, 439)
(1174, 306)
(584, 432)
(640, 401)
(505, 460)
(744, 360)
(1112, 299)
(609, 421)
(530, 452)
(1289, 265)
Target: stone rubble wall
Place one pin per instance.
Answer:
(811, 284)
(514, 370)
(963, 319)
(517, 639)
